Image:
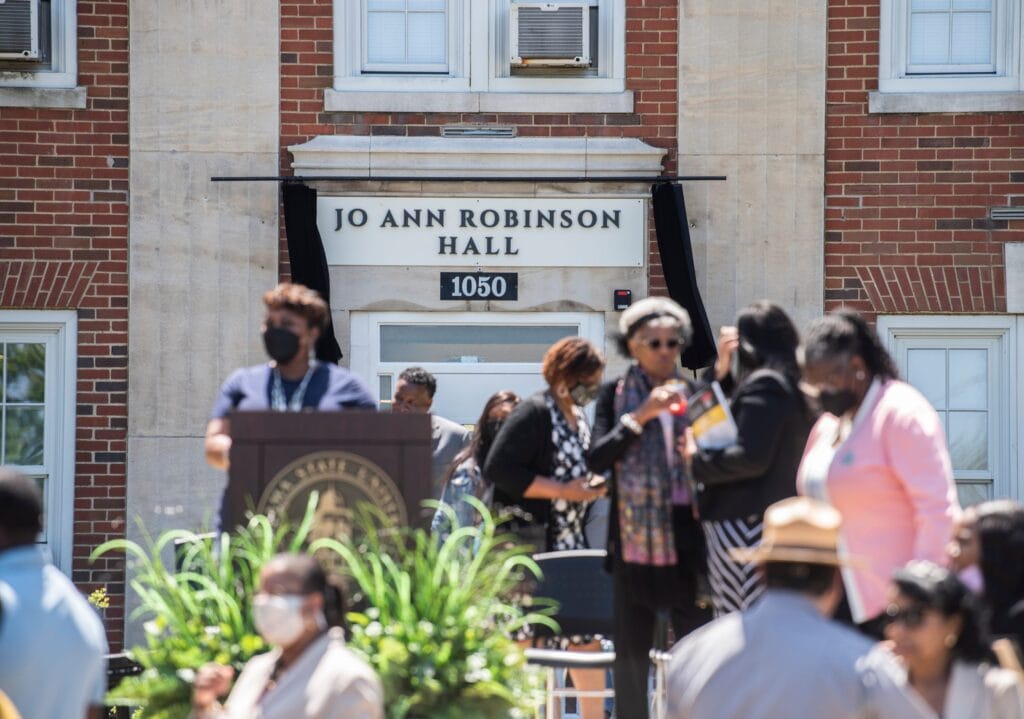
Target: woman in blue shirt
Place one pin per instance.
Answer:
(293, 380)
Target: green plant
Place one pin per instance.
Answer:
(440, 618)
(437, 622)
(199, 612)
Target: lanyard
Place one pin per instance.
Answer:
(278, 403)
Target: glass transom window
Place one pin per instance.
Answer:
(469, 344)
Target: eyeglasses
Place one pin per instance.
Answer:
(910, 617)
(657, 343)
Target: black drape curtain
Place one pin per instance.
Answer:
(673, 231)
(307, 257)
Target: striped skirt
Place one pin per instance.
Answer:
(734, 585)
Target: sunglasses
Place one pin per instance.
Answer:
(910, 617)
(657, 343)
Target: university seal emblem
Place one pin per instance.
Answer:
(343, 481)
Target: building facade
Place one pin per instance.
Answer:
(476, 202)
(924, 210)
(64, 299)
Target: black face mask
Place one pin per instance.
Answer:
(837, 401)
(282, 345)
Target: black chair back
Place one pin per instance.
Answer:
(577, 580)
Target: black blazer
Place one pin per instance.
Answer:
(522, 450)
(773, 422)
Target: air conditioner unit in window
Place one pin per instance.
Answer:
(19, 29)
(550, 34)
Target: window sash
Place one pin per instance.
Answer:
(949, 66)
(57, 331)
(407, 67)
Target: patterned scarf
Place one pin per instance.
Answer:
(645, 480)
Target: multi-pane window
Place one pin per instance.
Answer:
(948, 36)
(466, 46)
(948, 47)
(405, 36)
(37, 403)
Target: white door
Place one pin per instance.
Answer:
(472, 354)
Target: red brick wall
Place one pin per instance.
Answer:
(651, 73)
(64, 245)
(907, 196)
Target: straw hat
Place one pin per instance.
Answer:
(799, 529)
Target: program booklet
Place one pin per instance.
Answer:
(712, 422)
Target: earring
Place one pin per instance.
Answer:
(860, 375)
(951, 640)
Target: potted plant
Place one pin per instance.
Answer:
(439, 619)
(197, 612)
(436, 621)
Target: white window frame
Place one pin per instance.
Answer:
(58, 329)
(63, 70)
(1000, 331)
(475, 67)
(894, 74)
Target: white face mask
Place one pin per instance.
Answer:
(278, 617)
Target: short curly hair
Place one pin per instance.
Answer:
(298, 299)
(569, 360)
(421, 378)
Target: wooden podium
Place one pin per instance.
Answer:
(279, 458)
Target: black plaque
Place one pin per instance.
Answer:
(498, 286)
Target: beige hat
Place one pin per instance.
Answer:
(798, 529)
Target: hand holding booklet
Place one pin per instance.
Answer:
(710, 419)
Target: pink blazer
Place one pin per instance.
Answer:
(892, 481)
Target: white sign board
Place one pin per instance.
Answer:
(469, 232)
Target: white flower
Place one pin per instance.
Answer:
(374, 629)
(426, 627)
(153, 628)
(476, 661)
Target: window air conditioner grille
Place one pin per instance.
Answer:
(19, 29)
(550, 34)
(553, 34)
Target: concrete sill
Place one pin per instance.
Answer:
(515, 102)
(934, 102)
(72, 98)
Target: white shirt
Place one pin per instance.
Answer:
(326, 681)
(52, 643)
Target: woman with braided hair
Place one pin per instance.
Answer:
(877, 454)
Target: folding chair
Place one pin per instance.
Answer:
(577, 581)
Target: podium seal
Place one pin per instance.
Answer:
(343, 481)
